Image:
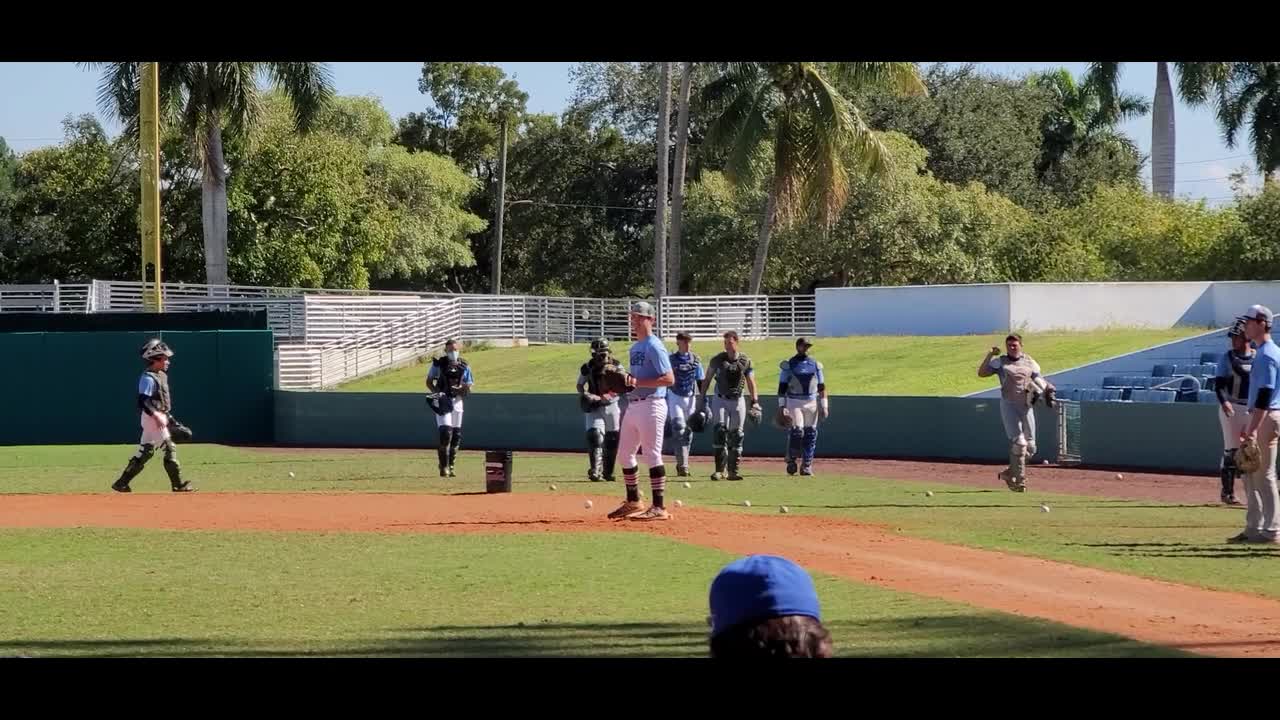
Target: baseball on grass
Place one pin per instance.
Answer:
(928, 493)
(746, 503)
(553, 487)
(687, 485)
(291, 474)
(1044, 508)
(784, 509)
(587, 504)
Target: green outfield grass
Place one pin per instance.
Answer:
(854, 365)
(1179, 543)
(132, 593)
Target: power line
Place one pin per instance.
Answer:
(1196, 162)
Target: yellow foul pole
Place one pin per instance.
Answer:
(149, 142)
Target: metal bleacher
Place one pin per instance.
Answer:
(1166, 384)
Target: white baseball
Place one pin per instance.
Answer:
(291, 474)
(928, 493)
(747, 503)
(784, 509)
(687, 485)
(553, 487)
(1119, 476)
(587, 504)
(1044, 508)
(679, 503)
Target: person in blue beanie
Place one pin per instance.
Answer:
(766, 606)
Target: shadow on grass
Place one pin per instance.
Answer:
(969, 635)
(1186, 550)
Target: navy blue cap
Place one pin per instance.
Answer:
(759, 587)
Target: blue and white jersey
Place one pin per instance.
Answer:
(1265, 373)
(688, 371)
(802, 375)
(649, 360)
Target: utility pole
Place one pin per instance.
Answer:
(502, 211)
(660, 205)
(149, 143)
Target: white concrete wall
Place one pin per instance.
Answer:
(912, 310)
(1040, 307)
(1035, 307)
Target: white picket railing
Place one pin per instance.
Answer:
(54, 297)
(752, 316)
(372, 349)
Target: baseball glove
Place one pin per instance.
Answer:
(782, 418)
(1051, 396)
(460, 391)
(439, 403)
(179, 432)
(614, 380)
(1249, 456)
(698, 421)
(755, 414)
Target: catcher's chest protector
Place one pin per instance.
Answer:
(1016, 378)
(161, 398)
(592, 371)
(732, 374)
(686, 372)
(804, 375)
(452, 372)
(1241, 366)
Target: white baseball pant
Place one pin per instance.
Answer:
(804, 413)
(452, 418)
(642, 426)
(153, 433)
(1233, 426)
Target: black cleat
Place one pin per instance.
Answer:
(184, 487)
(806, 470)
(121, 488)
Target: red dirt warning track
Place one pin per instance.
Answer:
(1194, 619)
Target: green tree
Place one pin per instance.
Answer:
(1248, 94)
(8, 168)
(1250, 250)
(207, 100)
(811, 127)
(469, 102)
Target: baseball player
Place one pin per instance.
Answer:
(650, 375)
(155, 404)
(682, 398)
(730, 370)
(1262, 525)
(802, 396)
(601, 412)
(450, 380)
(1020, 385)
(1232, 387)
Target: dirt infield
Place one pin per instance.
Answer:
(1198, 620)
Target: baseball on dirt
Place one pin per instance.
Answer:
(1119, 476)
(587, 504)
(1044, 461)
(746, 503)
(679, 503)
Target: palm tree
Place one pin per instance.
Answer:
(1086, 115)
(677, 180)
(812, 129)
(207, 99)
(1194, 80)
(1249, 93)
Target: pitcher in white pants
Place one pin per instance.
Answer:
(1261, 523)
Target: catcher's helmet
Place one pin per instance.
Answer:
(1237, 329)
(155, 349)
(599, 346)
(698, 420)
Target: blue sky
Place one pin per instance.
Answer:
(35, 97)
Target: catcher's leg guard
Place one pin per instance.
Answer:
(719, 439)
(1015, 476)
(595, 455)
(735, 453)
(684, 438)
(810, 444)
(135, 465)
(454, 443)
(442, 449)
(795, 446)
(611, 439)
(1229, 473)
(173, 468)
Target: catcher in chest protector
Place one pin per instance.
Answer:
(1021, 386)
(159, 428)
(449, 382)
(802, 404)
(1232, 388)
(648, 377)
(598, 391)
(731, 370)
(682, 399)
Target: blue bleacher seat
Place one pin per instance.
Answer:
(1138, 395)
(1113, 381)
(1163, 396)
(1163, 370)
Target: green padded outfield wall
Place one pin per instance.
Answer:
(1172, 436)
(81, 387)
(907, 427)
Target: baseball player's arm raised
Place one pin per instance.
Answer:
(984, 367)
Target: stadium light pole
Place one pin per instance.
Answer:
(149, 142)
